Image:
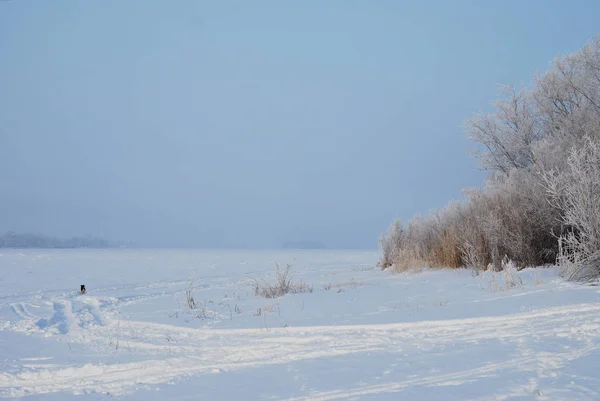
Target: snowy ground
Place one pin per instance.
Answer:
(361, 334)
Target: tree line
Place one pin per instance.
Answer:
(541, 200)
(16, 240)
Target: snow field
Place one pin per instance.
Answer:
(360, 334)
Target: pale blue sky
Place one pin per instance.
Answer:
(247, 124)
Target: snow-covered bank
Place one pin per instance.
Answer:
(361, 333)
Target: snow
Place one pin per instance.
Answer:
(360, 334)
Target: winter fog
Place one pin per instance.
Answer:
(219, 124)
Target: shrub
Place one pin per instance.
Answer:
(283, 284)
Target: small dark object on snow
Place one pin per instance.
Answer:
(82, 289)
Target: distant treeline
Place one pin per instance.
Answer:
(15, 240)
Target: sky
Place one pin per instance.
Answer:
(250, 124)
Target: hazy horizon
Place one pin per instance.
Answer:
(249, 125)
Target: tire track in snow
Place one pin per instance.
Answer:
(452, 378)
(20, 309)
(252, 348)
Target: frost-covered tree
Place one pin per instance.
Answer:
(541, 149)
(507, 134)
(575, 191)
(390, 242)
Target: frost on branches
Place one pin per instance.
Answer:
(541, 203)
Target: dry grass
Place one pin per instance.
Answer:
(502, 280)
(189, 298)
(283, 284)
(511, 275)
(407, 260)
